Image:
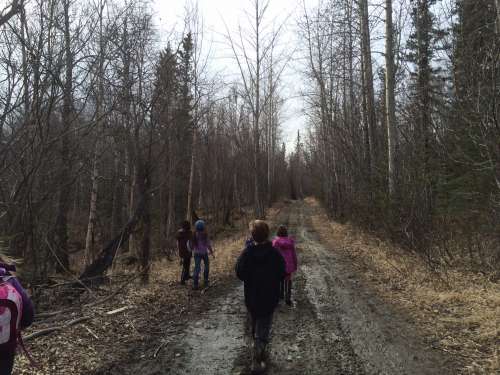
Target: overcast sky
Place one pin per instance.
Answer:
(216, 14)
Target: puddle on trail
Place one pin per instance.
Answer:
(211, 344)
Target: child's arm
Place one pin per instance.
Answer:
(294, 252)
(210, 248)
(28, 309)
(281, 266)
(241, 266)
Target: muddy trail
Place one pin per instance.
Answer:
(334, 326)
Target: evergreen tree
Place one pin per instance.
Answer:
(422, 46)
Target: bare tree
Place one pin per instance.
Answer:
(10, 11)
(390, 106)
(253, 47)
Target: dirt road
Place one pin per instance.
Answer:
(335, 326)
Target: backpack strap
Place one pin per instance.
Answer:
(28, 355)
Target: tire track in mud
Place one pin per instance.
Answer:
(383, 343)
(307, 339)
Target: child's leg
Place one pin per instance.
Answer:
(282, 289)
(206, 270)
(6, 364)
(262, 336)
(288, 290)
(188, 267)
(183, 270)
(197, 269)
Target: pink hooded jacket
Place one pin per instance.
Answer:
(286, 246)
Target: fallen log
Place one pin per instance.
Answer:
(95, 271)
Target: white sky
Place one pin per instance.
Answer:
(215, 14)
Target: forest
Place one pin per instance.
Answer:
(105, 133)
(101, 126)
(113, 131)
(410, 147)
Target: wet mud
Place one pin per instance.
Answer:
(335, 326)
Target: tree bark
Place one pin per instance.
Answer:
(390, 106)
(497, 3)
(189, 210)
(368, 87)
(89, 239)
(61, 226)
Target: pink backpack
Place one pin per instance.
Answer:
(10, 315)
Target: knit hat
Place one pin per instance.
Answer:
(200, 226)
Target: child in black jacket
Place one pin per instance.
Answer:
(261, 267)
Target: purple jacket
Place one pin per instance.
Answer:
(200, 244)
(286, 246)
(28, 309)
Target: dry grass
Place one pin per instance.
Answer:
(458, 311)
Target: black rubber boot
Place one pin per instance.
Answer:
(282, 289)
(258, 358)
(288, 292)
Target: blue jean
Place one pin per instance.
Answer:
(197, 268)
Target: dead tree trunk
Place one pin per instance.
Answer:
(94, 272)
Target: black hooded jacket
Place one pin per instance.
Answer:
(261, 267)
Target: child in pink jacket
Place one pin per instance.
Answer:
(286, 246)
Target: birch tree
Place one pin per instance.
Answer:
(390, 106)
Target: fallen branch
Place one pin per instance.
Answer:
(88, 279)
(91, 304)
(48, 330)
(73, 309)
(160, 347)
(77, 281)
(55, 313)
(116, 311)
(91, 332)
(208, 287)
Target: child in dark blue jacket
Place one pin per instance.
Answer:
(262, 268)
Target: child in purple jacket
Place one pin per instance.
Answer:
(286, 246)
(200, 245)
